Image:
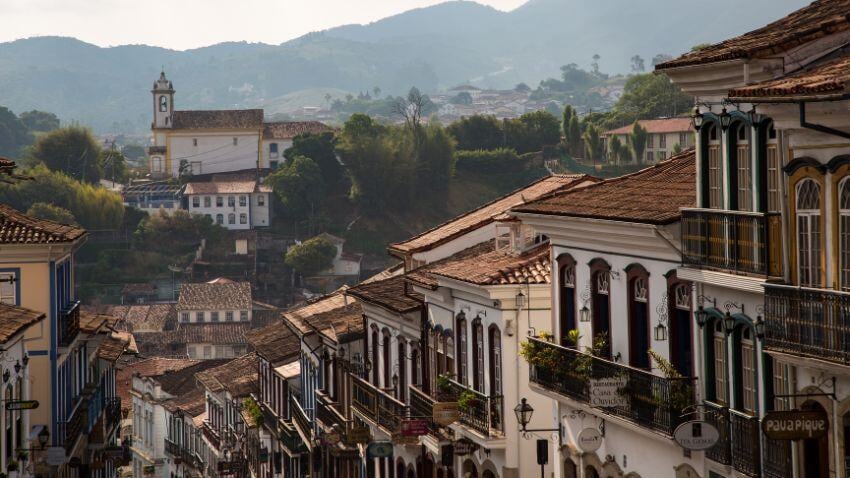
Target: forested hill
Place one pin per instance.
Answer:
(431, 48)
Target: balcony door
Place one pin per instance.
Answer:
(567, 298)
(681, 328)
(809, 223)
(638, 317)
(601, 295)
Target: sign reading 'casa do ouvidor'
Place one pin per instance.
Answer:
(795, 425)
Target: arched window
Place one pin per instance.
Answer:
(477, 355)
(844, 232)
(219, 219)
(163, 103)
(462, 365)
(431, 359)
(744, 367)
(638, 279)
(495, 344)
(402, 371)
(570, 470)
(415, 366)
(386, 364)
(231, 218)
(567, 297)
(440, 345)
(681, 325)
(601, 290)
(374, 358)
(808, 233)
(740, 167)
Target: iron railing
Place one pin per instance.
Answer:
(648, 400)
(327, 413)
(718, 416)
(172, 448)
(733, 241)
(71, 430)
(113, 412)
(299, 416)
(811, 322)
(211, 435)
(69, 324)
(377, 405)
(745, 432)
(480, 412)
(422, 407)
(777, 458)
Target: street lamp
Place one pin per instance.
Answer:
(43, 437)
(523, 412)
(697, 118)
(584, 314)
(729, 322)
(725, 119)
(759, 326)
(520, 300)
(660, 332)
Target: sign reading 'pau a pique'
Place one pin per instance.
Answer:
(795, 425)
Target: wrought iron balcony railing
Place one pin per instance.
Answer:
(377, 405)
(327, 413)
(71, 430)
(69, 324)
(809, 322)
(732, 241)
(299, 417)
(718, 416)
(211, 435)
(478, 411)
(648, 400)
(422, 407)
(745, 433)
(172, 448)
(113, 412)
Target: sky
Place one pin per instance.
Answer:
(183, 24)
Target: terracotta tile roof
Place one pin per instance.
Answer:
(180, 381)
(817, 20)
(662, 125)
(298, 316)
(217, 119)
(238, 376)
(291, 129)
(92, 323)
(215, 296)
(18, 228)
(484, 215)
(340, 325)
(491, 267)
(826, 79)
(143, 318)
(112, 348)
(389, 293)
(224, 187)
(152, 367)
(275, 342)
(422, 276)
(15, 319)
(653, 195)
(227, 333)
(139, 288)
(192, 402)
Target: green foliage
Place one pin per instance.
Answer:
(462, 98)
(574, 136)
(93, 206)
(497, 161)
(649, 96)
(312, 256)
(254, 411)
(72, 150)
(434, 161)
(319, 148)
(531, 131)
(637, 141)
(300, 187)
(477, 132)
(134, 152)
(113, 166)
(181, 230)
(51, 212)
(466, 400)
(14, 135)
(592, 143)
(681, 389)
(41, 121)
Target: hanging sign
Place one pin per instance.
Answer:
(795, 424)
(358, 436)
(21, 404)
(589, 440)
(605, 392)
(465, 446)
(446, 413)
(696, 435)
(331, 438)
(401, 439)
(380, 449)
(414, 428)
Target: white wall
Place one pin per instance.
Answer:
(222, 317)
(225, 210)
(266, 158)
(215, 151)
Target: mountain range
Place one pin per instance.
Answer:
(432, 48)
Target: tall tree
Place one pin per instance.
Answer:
(435, 161)
(40, 120)
(638, 141)
(312, 256)
(593, 143)
(300, 187)
(614, 147)
(320, 148)
(13, 134)
(638, 65)
(565, 120)
(72, 150)
(477, 132)
(575, 136)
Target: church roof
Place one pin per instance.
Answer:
(291, 129)
(218, 119)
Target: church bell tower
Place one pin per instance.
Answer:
(163, 102)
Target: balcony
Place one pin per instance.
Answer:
(377, 405)
(745, 433)
(69, 324)
(71, 430)
(738, 242)
(172, 448)
(422, 407)
(808, 322)
(481, 413)
(211, 435)
(650, 401)
(113, 412)
(327, 413)
(299, 416)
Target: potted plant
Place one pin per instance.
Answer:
(681, 391)
(12, 466)
(444, 387)
(467, 400)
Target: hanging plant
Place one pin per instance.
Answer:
(467, 400)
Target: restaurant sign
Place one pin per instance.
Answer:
(696, 435)
(795, 424)
(446, 413)
(605, 392)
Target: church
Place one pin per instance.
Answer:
(196, 142)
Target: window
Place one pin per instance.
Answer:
(808, 233)
(747, 381)
(681, 349)
(478, 355)
(402, 370)
(184, 317)
(495, 337)
(235, 141)
(650, 141)
(243, 201)
(214, 316)
(774, 173)
(844, 233)
(9, 288)
(163, 103)
(718, 349)
(715, 173)
(449, 343)
(231, 201)
(650, 156)
(261, 200)
(460, 330)
(219, 201)
(415, 366)
(567, 298)
(638, 317)
(228, 316)
(781, 379)
(684, 140)
(196, 201)
(661, 155)
(273, 150)
(194, 141)
(243, 218)
(662, 141)
(601, 322)
(273, 165)
(193, 353)
(231, 218)
(243, 315)
(386, 360)
(207, 352)
(195, 167)
(156, 164)
(207, 201)
(199, 317)
(219, 218)
(742, 167)
(374, 358)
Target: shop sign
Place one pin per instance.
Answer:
(402, 439)
(345, 454)
(379, 449)
(605, 392)
(414, 428)
(358, 435)
(696, 435)
(55, 456)
(331, 438)
(465, 446)
(21, 404)
(589, 440)
(795, 424)
(446, 413)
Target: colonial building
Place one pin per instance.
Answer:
(766, 245)
(664, 136)
(220, 300)
(621, 319)
(235, 205)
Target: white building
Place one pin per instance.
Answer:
(236, 205)
(344, 263)
(278, 137)
(664, 136)
(220, 300)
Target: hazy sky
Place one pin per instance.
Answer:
(182, 24)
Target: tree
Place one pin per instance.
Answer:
(133, 152)
(72, 150)
(349, 97)
(312, 256)
(51, 212)
(595, 64)
(637, 141)
(531, 131)
(113, 165)
(13, 134)
(637, 64)
(412, 108)
(462, 98)
(377, 91)
(522, 88)
(614, 147)
(300, 187)
(648, 96)
(181, 230)
(565, 123)
(435, 161)
(593, 143)
(477, 132)
(574, 138)
(320, 148)
(40, 121)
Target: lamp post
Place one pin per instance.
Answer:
(697, 118)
